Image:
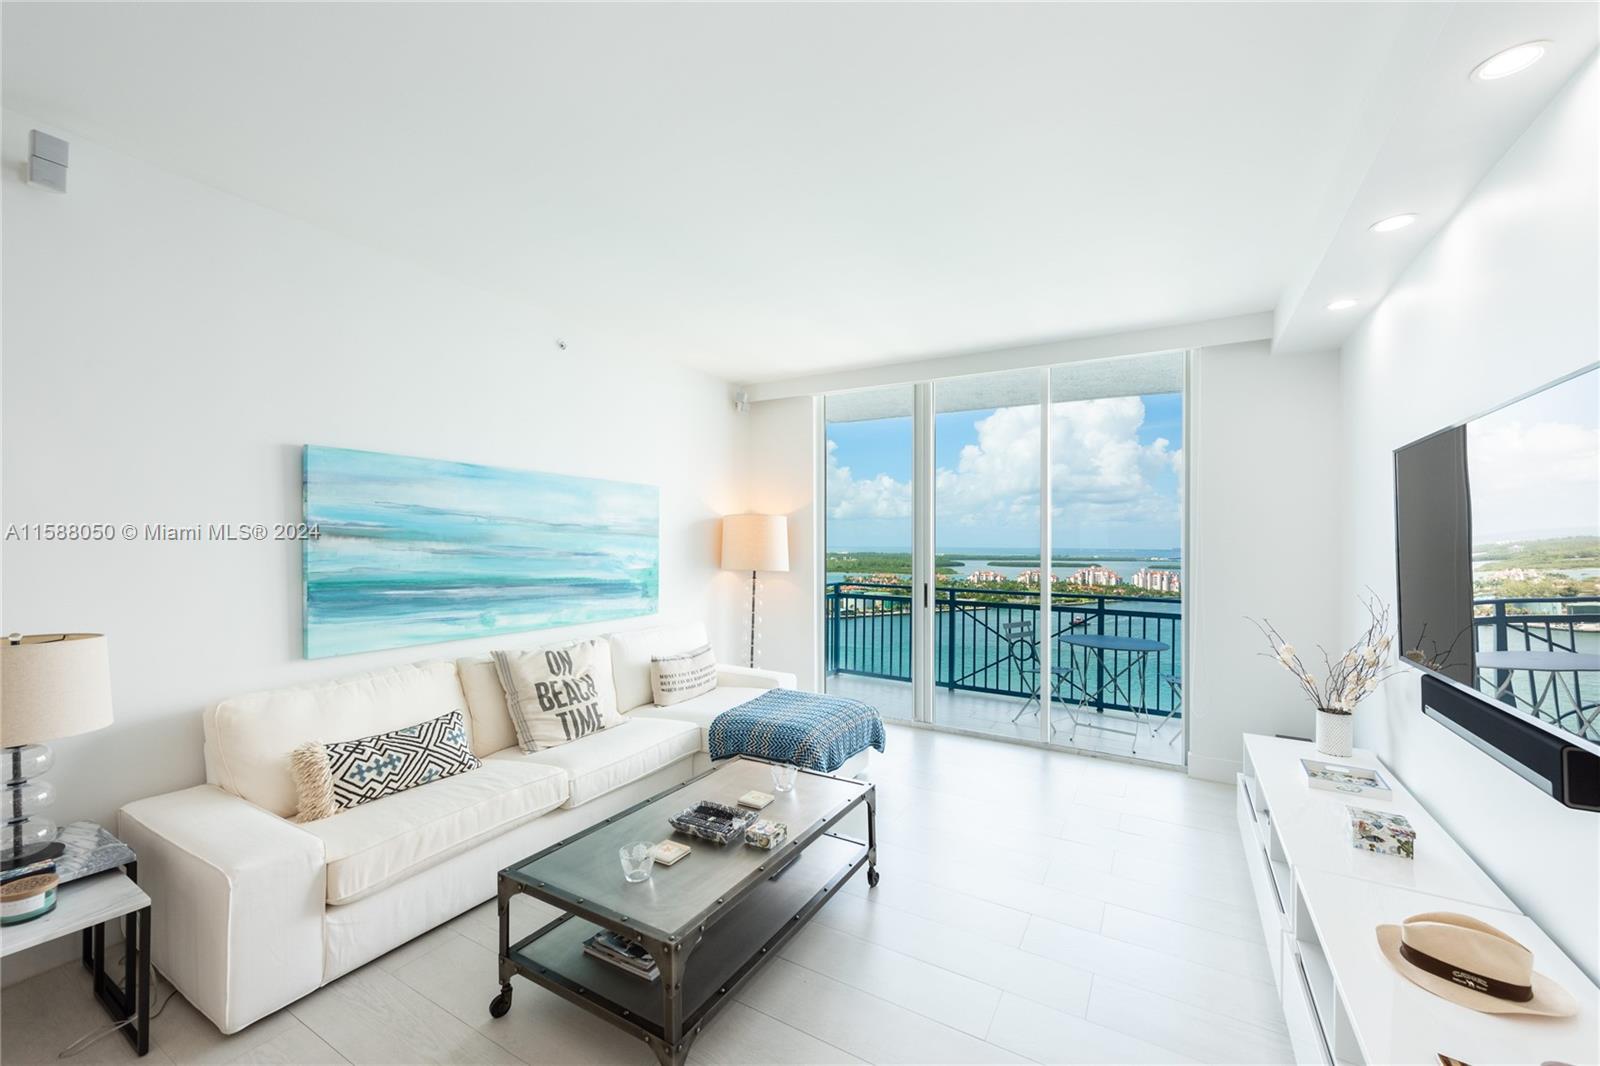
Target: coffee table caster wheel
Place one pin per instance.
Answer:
(501, 1003)
(872, 877)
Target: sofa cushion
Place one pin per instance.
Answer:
(701, 710)
(612, 758)
(347, 773)
(558, 694)
(491, 729)
(378, 843)
(632, 650)
(248, 738)
(681, 676)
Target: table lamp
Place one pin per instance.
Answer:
(52, 685)
(755, 542)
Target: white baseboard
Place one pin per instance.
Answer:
(1209, 768)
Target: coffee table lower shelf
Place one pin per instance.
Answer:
(708, 971)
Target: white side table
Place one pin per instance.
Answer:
(85, 906)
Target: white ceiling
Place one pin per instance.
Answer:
(768, 191)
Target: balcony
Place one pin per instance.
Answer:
(985, 674)
(1559, 640)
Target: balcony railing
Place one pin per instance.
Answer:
(1566, 698)
(869, 634)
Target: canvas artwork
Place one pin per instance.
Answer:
(419, 551)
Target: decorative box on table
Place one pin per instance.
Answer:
(766, 834)
(1382, 832)
(716, 822)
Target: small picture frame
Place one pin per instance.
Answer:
(1352, 780)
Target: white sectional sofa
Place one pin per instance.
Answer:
(253, 911)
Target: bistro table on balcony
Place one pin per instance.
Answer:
(1546, 702)
(1088, 660)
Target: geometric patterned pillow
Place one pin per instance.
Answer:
(338, 776)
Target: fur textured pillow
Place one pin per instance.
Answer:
(556, 694)
(333, 777)
(683, 675)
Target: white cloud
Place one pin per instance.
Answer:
(1532, 479)
(872, 497)
(1100, 472)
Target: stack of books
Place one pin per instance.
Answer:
(622, 953)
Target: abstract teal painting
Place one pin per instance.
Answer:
(418, 551)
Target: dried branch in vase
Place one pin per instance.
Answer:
(1352, 677)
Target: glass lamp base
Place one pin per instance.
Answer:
(10, 860)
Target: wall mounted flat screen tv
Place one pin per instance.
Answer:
(1498, 543)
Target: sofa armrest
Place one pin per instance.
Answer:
(752, 677)
(238, 897)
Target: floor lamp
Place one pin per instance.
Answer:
(755, 542)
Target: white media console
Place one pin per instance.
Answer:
(1321, 901)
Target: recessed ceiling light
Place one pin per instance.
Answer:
(1392, 223)
(1513, 60)
(1341, 305)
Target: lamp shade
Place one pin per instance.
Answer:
(53, 685)
(755, 542)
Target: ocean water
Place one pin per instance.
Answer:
(420, 551)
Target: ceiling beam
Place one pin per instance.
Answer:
(1251, 327)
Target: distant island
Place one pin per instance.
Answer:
(1160, 577)
(1548, 567)
(886, 563)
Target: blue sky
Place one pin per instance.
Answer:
(1116, 471)
(1532, 467)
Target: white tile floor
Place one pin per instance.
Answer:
(1159, 741)
(1035, 905)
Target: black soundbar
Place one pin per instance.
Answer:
(1571, 774)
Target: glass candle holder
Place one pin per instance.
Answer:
(783, 775)
(637, 860)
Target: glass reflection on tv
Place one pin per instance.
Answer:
(1499, 554)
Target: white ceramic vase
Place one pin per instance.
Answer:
(1335, 733)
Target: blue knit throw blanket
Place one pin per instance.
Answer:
(815, 732)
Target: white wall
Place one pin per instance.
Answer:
(1263, 541)
(1502, 301)
(168, 349)
(777, 474)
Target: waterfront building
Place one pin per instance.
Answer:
(1158, 580)
(1094, 575)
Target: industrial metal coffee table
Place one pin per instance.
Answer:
(710, 920)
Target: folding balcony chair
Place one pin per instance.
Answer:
(1022, 649)
(1175, 684)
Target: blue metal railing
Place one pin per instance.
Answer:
(868, 630)
(1543, 623)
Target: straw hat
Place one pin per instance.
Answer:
(1471, 963)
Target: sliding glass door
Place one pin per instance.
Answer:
(1116, 560)
(941, 605)
(870, 542)
(986, 447)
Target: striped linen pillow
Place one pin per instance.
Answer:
(682, 675)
